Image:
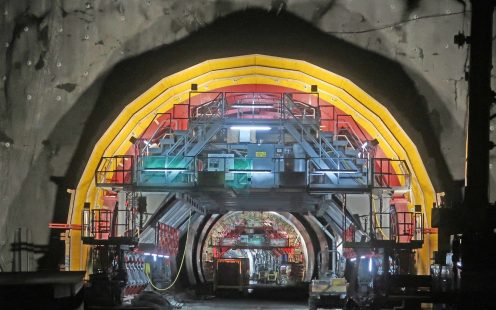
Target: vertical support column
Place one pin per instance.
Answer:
(477, 178)
(121, 216)
(371, 215)
(477, 219)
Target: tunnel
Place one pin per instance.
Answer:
(277, 167)
(256, 158)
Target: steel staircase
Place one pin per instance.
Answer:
(335, 159)
(205, 124)
(326, 156)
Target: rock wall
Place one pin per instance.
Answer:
(56, 57)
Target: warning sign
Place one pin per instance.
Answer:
(261, 154)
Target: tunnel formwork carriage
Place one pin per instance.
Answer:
(228, 136)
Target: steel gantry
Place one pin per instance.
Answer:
(248, 141)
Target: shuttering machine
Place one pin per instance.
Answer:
(223, 151)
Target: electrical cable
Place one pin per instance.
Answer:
(180, 266)
(398, 23)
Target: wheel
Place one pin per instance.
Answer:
(351, 305)
(312, 303)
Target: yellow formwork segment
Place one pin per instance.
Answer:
(254, 69)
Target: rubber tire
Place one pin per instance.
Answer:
(312, 303)
(351, 305)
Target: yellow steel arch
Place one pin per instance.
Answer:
(252, 69)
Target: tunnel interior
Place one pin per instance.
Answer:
(271, 245)
(246, 156)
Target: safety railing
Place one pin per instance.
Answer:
(401, 227)
(96, 224)
(327, 118)
(390, 173)
(161, 131)
(203, 106)
(104, 224)
(308, 99)
(211, 108)
(344, 128)
(346, 124)
(239, 172)
(250, 105)
(165, 170)
(225, 170)
(254, 241)
(198, 98)
(158, 134)
(304, 133)
(300, 106)
(253, 105)
(382, 225)
(349, 171)
(183, 171)
(407, 226)
(206, 112)
(355, 229)
(161, 124)
(115, 171)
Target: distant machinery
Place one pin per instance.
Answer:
(273, 247)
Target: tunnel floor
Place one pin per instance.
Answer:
(244, 303)
(258, 298)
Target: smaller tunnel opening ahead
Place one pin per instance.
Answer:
(254, 249)
(261, 254)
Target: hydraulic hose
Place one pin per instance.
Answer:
(180, 266)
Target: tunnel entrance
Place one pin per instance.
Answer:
(268, 247)
(271, 169)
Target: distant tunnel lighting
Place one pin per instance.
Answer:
(251, 128)
(241, 106)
